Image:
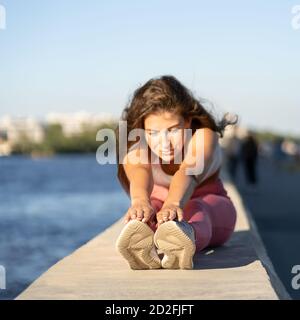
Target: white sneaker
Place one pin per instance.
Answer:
(135, 244)
(176, 239)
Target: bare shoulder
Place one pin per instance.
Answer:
(205, 138)
(202, 143)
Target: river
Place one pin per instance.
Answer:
(48, 208)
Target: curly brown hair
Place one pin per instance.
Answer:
(165, 93)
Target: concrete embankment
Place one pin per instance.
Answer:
(240, 269)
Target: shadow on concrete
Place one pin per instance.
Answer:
(237, 252)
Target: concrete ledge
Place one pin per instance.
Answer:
(240, 269)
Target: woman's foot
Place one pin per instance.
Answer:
(176, 239)
(135, 244)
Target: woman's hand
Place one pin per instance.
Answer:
(140, 210)
(168, 212)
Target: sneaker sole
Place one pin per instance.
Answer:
(135, 244)
(177, 247)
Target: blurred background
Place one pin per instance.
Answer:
(68, 68)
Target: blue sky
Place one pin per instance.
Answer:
(65, 56)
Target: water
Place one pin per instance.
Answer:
(48, 208)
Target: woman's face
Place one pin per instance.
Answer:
(164, 134)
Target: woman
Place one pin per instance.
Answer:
(173, 212)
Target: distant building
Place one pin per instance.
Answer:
(13, 130)
(74, 123)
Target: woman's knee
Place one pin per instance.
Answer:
(214, 218)
(195, 210)
(223, 213)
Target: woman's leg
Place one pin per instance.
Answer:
(213, 218)
(156, 204)
(222, 215)
(196, 213)
(157, 199)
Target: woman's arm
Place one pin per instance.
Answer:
(141, 182)
(141, 185)
(183, 184)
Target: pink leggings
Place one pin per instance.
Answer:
(209, 211)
